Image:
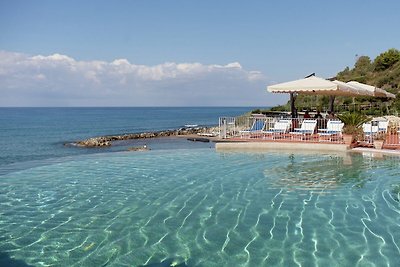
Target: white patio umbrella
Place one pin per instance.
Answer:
(352, 90)
(318, 86)
(375, 91)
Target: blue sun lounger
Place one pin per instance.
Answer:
(256, 128)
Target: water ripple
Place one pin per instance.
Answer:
(203, 209)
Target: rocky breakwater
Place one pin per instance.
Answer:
(105, 141)
(95, 142)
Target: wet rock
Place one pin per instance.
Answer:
(105, 141)
(95, 142)
(139, 148)
(199, 139)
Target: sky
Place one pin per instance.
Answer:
(181, 53)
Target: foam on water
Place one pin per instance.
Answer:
(203, 208)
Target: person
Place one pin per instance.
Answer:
(318, 115)
(306, 115)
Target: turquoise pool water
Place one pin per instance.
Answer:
(202, 208)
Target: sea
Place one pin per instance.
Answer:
(33, 134)
(184, 203)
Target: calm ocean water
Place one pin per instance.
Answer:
(179, 206)
(28, 134)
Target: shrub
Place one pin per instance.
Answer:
(353, 122)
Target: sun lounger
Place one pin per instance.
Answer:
(382, 126)
(370, 129)
(333, 129)
(256, 128)
(280, 127)
(307, 128)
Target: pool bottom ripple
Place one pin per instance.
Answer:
(203, 208)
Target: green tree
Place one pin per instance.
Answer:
(387, 59)
(363, 66)
(344, 74)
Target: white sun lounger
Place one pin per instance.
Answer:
(280, 127)
(333, 129)
(383, 126)
(307, 128)
(370, 130)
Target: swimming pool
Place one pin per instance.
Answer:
(203, 208)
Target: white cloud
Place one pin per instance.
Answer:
(59, 80)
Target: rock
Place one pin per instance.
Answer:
(139, 148)
(95, 142)
(199, 139)
(105, 141)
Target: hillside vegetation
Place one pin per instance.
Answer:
(383, 72)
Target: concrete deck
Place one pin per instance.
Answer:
(280, 146)
(375, 152)
(301, 147)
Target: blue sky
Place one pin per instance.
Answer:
(180, 53)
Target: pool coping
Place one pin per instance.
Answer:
(317, 147)
(373, 151)
(280, 146)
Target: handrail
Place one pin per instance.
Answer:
(273, 129)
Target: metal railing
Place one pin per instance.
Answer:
(227, 127)
(263, 128)
(387, 131)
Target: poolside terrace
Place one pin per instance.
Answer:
(283, 131)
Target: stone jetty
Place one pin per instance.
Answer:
(105, 141)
